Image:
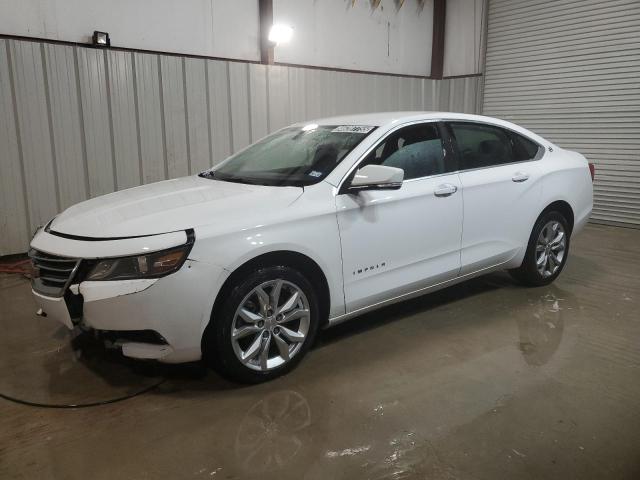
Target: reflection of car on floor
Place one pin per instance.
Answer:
(312, 225)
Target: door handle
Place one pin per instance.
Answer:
(445, 190)
(520, 177)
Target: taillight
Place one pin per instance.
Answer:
(592, 170)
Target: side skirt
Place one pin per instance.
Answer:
(416, 293)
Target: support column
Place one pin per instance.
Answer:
(265, 9)
(437, 46)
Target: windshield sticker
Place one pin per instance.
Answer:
(352, 129)
(315, 173)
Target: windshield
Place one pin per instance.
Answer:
(295, 156)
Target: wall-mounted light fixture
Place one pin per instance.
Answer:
(101, 39)
(280, 34)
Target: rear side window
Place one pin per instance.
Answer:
(480, 145)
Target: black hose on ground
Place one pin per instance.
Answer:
(81, 405)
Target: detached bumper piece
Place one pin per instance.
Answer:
(145, 351)
(140, 344)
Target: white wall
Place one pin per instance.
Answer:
(330, 33)
(463, 37)
(337, 33)
(219, 28)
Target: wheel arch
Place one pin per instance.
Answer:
(301, 262)
(563, 207)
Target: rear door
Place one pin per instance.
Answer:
(398, 241)
(500, 178)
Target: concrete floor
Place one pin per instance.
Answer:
(484, 380)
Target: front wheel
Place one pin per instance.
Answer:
(546, 252)
(264, 327)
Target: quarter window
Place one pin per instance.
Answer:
(523, 148)
(481, 145)
(416, 149)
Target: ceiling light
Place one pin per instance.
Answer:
(280, 34)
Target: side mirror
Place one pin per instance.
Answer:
(376, 177)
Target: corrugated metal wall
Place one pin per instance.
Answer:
(570, 71)
(78, 122)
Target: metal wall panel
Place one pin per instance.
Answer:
(14, 217)
(219, 110)
(67, 127)
(80, 122)
(570, 71)
(150, 117)
(385, 93)
(198, 114)
(38, 157)
(240, 109)
(175, 118)
(95, 114)
(124, 124)
(315, 103)
(278, 95)
(258, 101)
(297, 94)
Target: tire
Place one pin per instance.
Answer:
(249, 340)
(544, 242)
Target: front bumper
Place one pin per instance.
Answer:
(177, 307)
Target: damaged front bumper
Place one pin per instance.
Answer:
(173, 310)
(177, 308)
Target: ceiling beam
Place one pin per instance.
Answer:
(265, 9)
(437, 45)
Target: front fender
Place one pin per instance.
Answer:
(317, 238)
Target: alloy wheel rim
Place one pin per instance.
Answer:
(550, 248)
(270, 325)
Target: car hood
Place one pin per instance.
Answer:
(172, 205)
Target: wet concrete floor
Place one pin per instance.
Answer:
(484, 380)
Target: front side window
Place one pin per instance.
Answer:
(416, 149)
(295, 156)
(480, 145)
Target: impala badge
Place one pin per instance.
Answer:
(377, 266)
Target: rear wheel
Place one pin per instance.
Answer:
(546, 252)
(264, 327)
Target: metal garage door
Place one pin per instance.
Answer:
(570, 71)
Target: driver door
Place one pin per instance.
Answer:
(395, 242)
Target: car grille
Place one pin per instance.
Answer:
(52, 274)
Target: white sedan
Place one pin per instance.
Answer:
(312, 225)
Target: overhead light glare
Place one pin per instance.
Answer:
(280, 33)
(311, 126)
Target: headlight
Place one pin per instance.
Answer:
(152, 265)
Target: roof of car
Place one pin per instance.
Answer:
(385, 118)
(388, 119)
